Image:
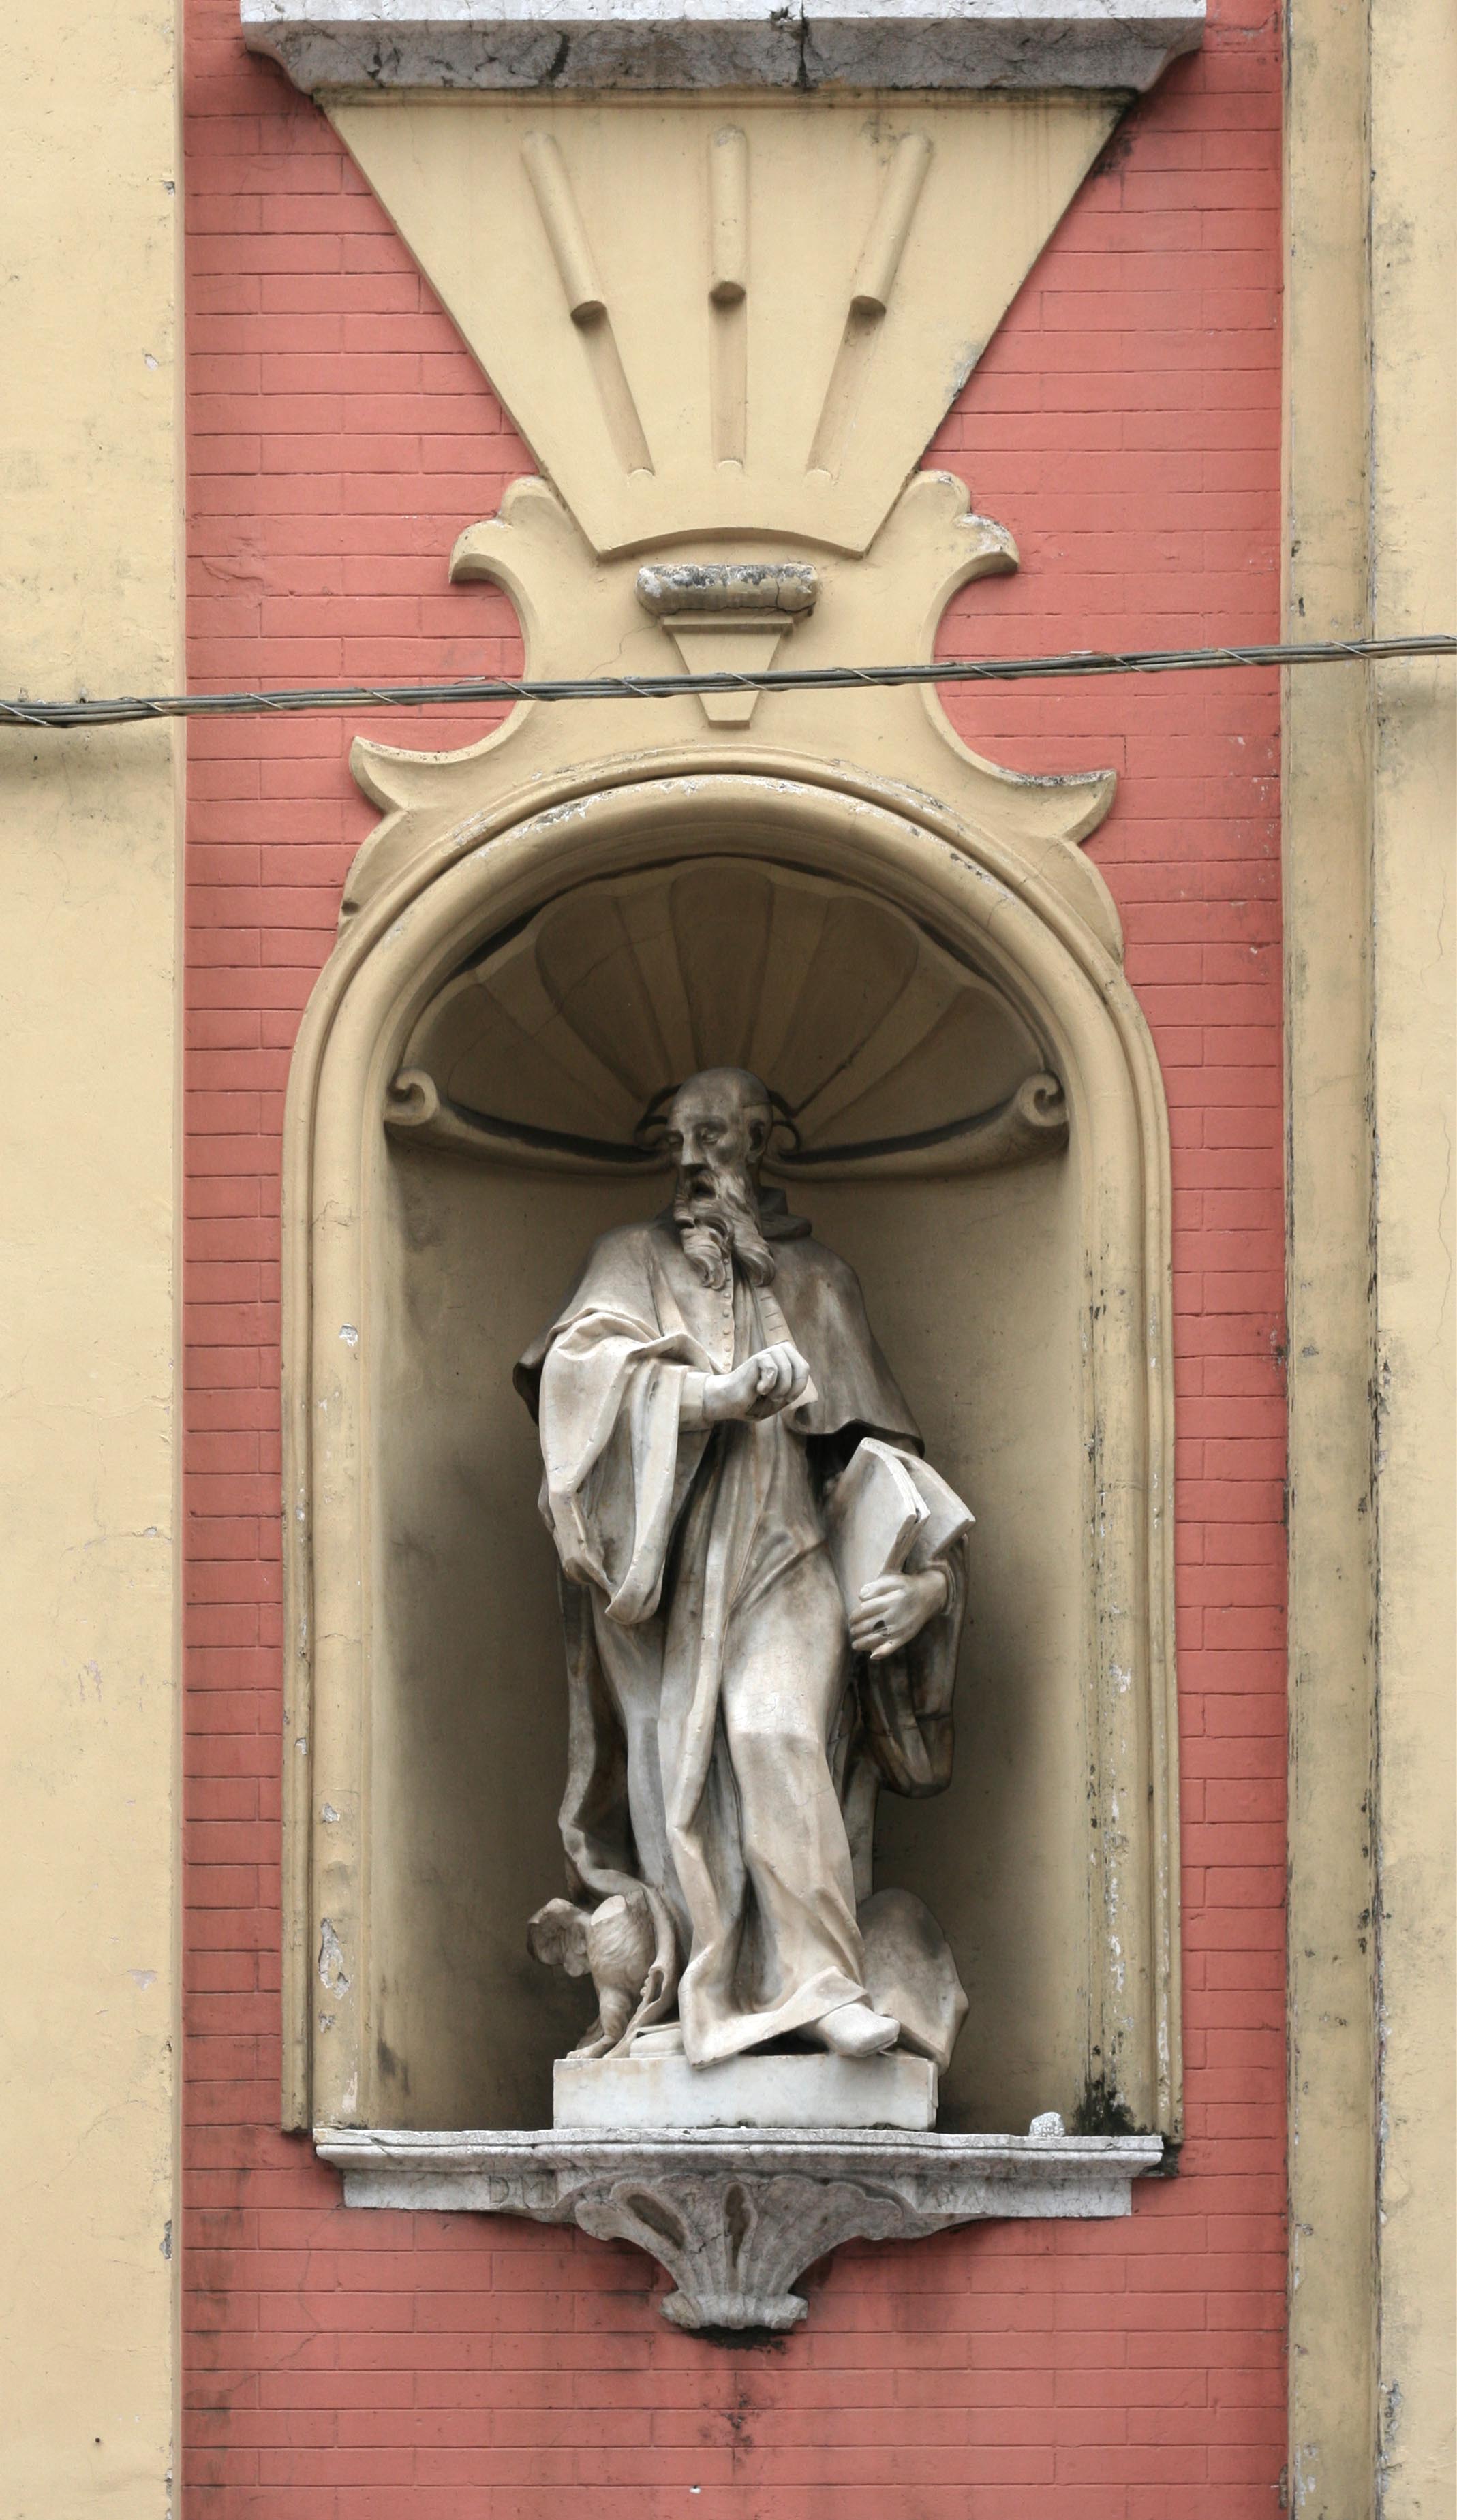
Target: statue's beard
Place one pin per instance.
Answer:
(717, 1219)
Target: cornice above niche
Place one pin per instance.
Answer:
(673, 44)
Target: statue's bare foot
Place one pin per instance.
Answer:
(664, 2038)
(854, 2030)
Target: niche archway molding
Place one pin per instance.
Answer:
(983, 897)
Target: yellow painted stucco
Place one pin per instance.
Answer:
(1414, 864)
(90, 481)
(1370, 788)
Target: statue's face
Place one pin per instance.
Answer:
(715, 1131)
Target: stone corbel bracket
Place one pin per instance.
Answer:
(736, 2216)
(667, 44)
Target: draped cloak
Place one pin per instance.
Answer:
(718, 1721)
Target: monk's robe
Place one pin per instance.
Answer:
(716, 1729)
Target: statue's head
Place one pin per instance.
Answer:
(716, 1128)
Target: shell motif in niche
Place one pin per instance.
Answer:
(554, 1043)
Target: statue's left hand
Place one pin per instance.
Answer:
(895, 1609)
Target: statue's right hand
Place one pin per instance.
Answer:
(773, 1378)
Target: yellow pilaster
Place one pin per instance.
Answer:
(1370, 798)
(90, 488)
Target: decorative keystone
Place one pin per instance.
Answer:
(791, 587)
(728, 616)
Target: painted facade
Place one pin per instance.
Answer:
(1216, 410)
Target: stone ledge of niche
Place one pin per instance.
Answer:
(673, 44)
(735, 2215)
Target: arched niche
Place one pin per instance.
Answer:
(460, 1128)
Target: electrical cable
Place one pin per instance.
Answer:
(82, 712)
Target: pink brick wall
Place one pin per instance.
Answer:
(1126, 426)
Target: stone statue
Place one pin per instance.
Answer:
(736, 1698)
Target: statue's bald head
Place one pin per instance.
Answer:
(716, 1129)
(717, 1107)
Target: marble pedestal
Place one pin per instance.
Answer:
(639, 2092)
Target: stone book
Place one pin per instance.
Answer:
(875, 1514)
(946, 1520)
(888, 1510)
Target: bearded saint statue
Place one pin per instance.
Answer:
(706, 1384)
